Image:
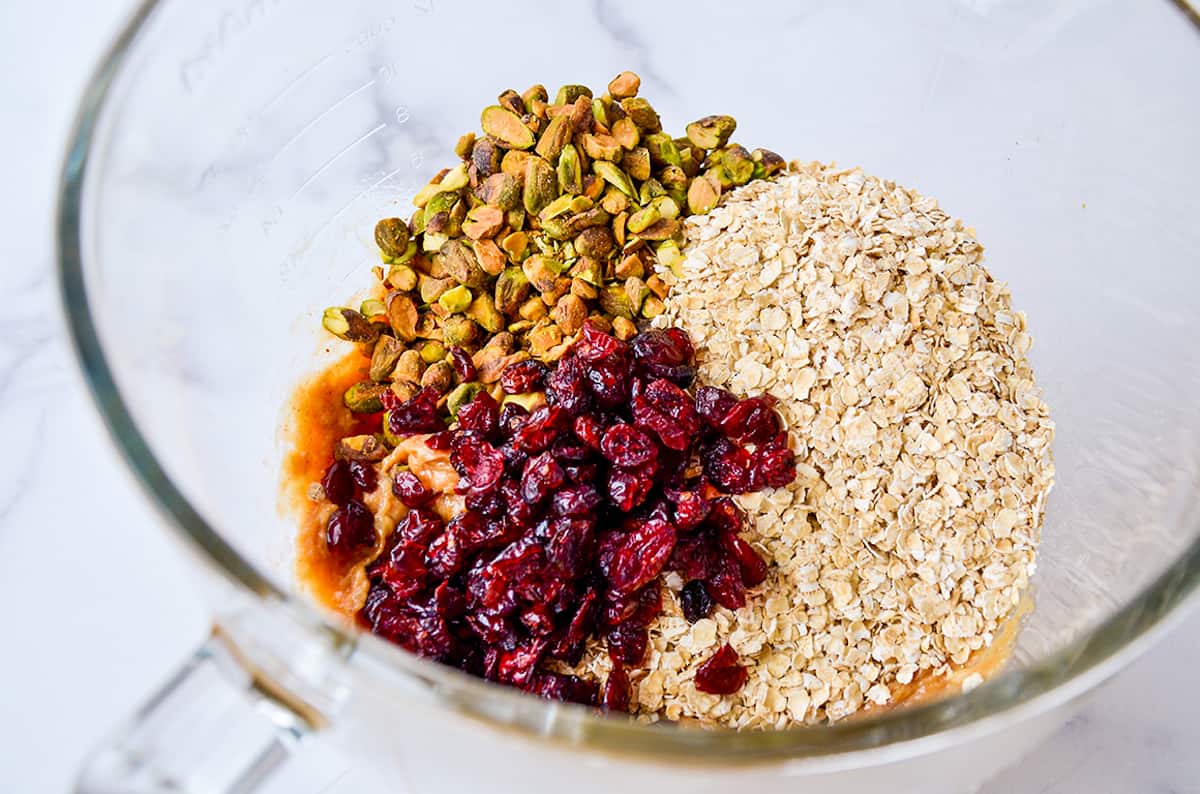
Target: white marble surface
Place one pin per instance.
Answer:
(97, 604)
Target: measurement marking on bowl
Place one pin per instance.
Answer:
(325, 166)
(320, 116)
(273, 101)
(317, 233)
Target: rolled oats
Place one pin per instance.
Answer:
(924, 446)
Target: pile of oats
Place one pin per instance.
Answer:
(924, 447)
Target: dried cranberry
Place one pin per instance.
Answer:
(571, 546)
(581, 473)
(568, 450)
(595, 345)
(566, 387)
(409, 489)
(721, 674)
(588, 429)
(523, 377)
(576, 501)
(518, 512)
(627, 446)
(628, 639)
(725, 584)
(445, 555)
(537, 620)
(567, 688)
(609, 382)
(478, 463)
(351, 529)
(728, 466)
(752, 421)
(481, 415)
(338, 482)
(512, 416)
(667, 410)
(570, 645)
(404, 571)
(464, 367)
(418, 415)
(665, 354)
(690, 510)
(725, 516)
(642, 556)
(541, 429)
(713, 404)
(753, 567)
(542, 475)
(440, 441)
(774, 462)
(695, 601)
(516, 666)
(628, 488)
(692, 557)
(615, 694)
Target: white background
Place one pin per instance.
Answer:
(98, 605)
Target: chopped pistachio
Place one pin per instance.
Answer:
(556, 135)
(624, 85)
(506, 127)
(483, 221)
(439, 375)
(631, 265)
(402, 277)
(583, 290)
(535, 93)
(711, 132)
(373, 309)
(637, 163)
(511, 100)
(615, 301)
(349, 325)
(626, 133)
(642, 113)
(541, 271)
(432, 352)
(567, 94)
(368, 448)
(658, 286)
(464, 146)
(365, 397)
(483, 311)
(512, 287)
(541, 185)
(461, 264)
(596, 242)
(430, 288)
(486, 156)
(410, 365)
(384, 357)
(652, 307)
(532, 309)
(614, 176)
(703, 194)
(643, 218)
(391, 235)
(458, 330)
(623, 328)
(569, 172)
(455, 299)
(530, 402)
(569, 313)
(489, 256)
(601, 147)
(462, 394)
(662, 149)
(500, 190)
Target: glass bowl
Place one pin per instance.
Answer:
(220, 189)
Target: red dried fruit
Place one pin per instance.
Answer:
(571, 546)
(615, 694)
(753, 567)
(541, 477)
(576, 501)
(690, 510)
(351, 529)
(417, 526)
(409, 489)
(588, 429)
(692, 556)
(642, 556)
(464, 367)
(418, 415)
(668, 411)
(721, 674)
(404, 571)
(338, 482)
(440, 441)
(569, 647)
(567, 387)
(478, 463)
(512, 416)
(725, 583)
(481, 415)
(728, 466)
(516, 666)
(627, 446)
(665, 354)
(567, 688)
(695, 601)
(541, 429)
(445, 555)
(628, 639)
(628, 488)
(713, 404)
(774, 463)
(523, 377)
(595, 345)
(364, 476)
(752, 421)
(609, 382)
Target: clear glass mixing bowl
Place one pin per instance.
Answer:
(220, 189)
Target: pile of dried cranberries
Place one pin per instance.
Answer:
(574, 510)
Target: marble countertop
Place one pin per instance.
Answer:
(97, 602)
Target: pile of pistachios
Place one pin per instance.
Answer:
(557, 213)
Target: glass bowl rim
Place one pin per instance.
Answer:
(1008, 697)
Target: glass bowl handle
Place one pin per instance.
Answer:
(230, 715)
